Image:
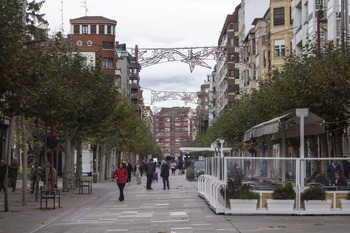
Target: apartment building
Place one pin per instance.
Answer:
(262, 51)
(257, 38)
(203, 108)
(280, 31)
(338, 26)
(94, 38)
(174, 127)
(273, 33)
(134, 77)
(122, 81)
(225, 80)
(148, 117)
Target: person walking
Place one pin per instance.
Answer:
(164, 173)
(173, 168)
(13, 173)
(35, 174)
(149, 172)
(138, 170)
(121, 176)
(2, 175)
(129, 169)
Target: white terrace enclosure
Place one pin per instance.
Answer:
(264, 173)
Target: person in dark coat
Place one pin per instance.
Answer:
(164, 173)
(346, 166)
(13, 173)
(149, 172)
(332, 168)
(339, 180)
(2, 175)
(129, 169)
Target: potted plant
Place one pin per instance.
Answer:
(245, 199)
(190, 174)
(315, 198)
(345, 203)
(283, 198)
(240, 196)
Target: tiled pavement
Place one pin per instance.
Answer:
(178, 210)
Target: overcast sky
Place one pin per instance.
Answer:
(155, 24)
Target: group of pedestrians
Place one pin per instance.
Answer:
(122, 174)
(333, 176)
(12, 174)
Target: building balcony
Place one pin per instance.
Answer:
(134, 76)
(134, 86)
(118, 72)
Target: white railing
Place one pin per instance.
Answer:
(262, 174)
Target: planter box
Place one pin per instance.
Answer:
(317, 205)
(243, 204)
(273, 204)
(345, 204)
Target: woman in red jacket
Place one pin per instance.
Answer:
(121, 176)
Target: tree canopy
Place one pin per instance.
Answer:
(318, 80)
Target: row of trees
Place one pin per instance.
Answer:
(318, 80)
(47, 86)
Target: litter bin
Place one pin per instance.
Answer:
(94, 177)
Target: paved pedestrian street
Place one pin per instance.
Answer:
(178, 210)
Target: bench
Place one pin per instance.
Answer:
(85, 184)
(53, 194)
(86, 173)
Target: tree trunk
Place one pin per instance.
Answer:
(68, 176)
(103, 163)
(97, 159)
(78, 165)
(24, 162)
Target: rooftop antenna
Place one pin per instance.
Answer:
(85, 6)
(62, 24)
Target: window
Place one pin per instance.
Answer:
(101, 29)
(278, 16)
(93, 29)
(339, 28)
(232, 42)
(84, 61)
(107, 45)
(236, 73)
(76, 29)
(319, 5)
(85, 29)
(280, 48)
(109, 29)
(108, 62)
(322, 38)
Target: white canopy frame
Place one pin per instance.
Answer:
(286, 126)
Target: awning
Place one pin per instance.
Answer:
(313, 125)
(199, 149)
